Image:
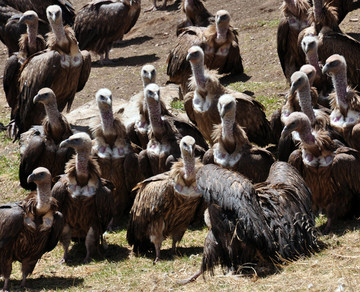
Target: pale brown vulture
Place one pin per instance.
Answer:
(85, 200)
(196, 15)
(266, 223)
(62, 67)
(220, 44)
(345, 102)
(232, 148)
(100, 23)
(29, 228)
(201, 104)
(115, 155)
(42, 148)
(331, 171)
(166, 203)
(40, 6)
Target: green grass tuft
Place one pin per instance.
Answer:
(178, 105)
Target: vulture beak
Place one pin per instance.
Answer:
(31, 178)
(39, 97)
(293, 88)
(23, 19)
(65, 144)
(287, 130)
(191, 56)
(325, 69)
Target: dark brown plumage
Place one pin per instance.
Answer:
(221, 48)
(201, 104)
(115, 155)
(29, 228)
(85, 199)
(232, 148)
(100, 23)
(165, 204)
(264, 224)
(61, 64)
(331, 171)
(42, 149)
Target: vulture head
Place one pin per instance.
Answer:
(104, 99)
(309, 44)
(227, 106)
(29, 17)
(222, 19)
(187, 147)
(298, 121)
(45, 96)
(54, 15)
(334, 64)
(310, 71)
(195, 55)
(152, 94)
(152, 101)
(148, 74)
(299, 81)
(81, 142)
(40, 175)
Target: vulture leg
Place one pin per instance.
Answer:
(191, 279)
(90, 241)
(27, 268)
(65, 241)
(6, 272)
(104, 59)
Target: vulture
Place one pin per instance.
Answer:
(294, 20)
(166, 203)
(85, 200)
(345, 102)
(40, 6)
(267, 223)
(62, 67)
(29, 228)
(163, 146)
(196, 15)
(115, 155)
(43, 146)
(324, 14)
(220, 44)
(232, 148)
(330, 170)
(201, 104)
(99, 24)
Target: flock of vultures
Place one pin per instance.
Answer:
(163, 172)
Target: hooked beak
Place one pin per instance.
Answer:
(65, 144)
(325, 69)
(31, 178)
(286, 131)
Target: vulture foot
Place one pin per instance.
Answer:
(156, 260)
(191, 279)
(87, 259)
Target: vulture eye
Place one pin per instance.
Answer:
(334, 63)
(57, 13)
(153, 72)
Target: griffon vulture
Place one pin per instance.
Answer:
(85, 200)
(166, 203)
(43, 146)
(62, 67)
(29, 228)
(201, 104)
(331, 171)
(100, 23)
(232, 148)
(115, 155)
(266, 223)
(221, 48)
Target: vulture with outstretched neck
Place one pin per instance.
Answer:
(115, 155)
(196, 15)
(331, 171)
(345, 102)
(324, 13)
(62, 67)
(221, 48)
(294, 20)
(232, 148)
(85, 200)
(166, 203)
(266, 223)
(29, 228)
(201, 104)
(40, 6)
(42, 148)
(99, 24)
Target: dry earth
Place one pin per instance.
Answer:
(150, 40)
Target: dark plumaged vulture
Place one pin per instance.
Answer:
(42, 148)
(29, 228)
(232, 148)
(166, 203)
(100, 23)
(266, 223)
(201, 104)
(62, 67)
(324, 14)
(115, 155)
(196, 15)
(85, 200)
(40, 6)
(220, 45)
(345, 102)
(331, 171)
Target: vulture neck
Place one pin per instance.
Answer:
(221, 33)
(59, 32)
(54, 116)
(227, 132)
(43, 197)
(189, 168)
(314, 61)
(318, 5)
(32, 31)
(81, 162)
(156, 122)
(340, 84)
(291, 5)
(199, 73)
(107, 121)
(305, 102)
(306, 136)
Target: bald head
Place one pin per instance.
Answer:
(29, 17)
(334, 64)
(40, 175)
(45, 96)
(309, 44)
(104, 98)
(297, 121)
(310, 72)
(152, 93)
(226, 105)
(222, 17)
(148, 74)
(299, 80)
(54, 14)
(187, 146)
(195, 55)
(79, 141)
